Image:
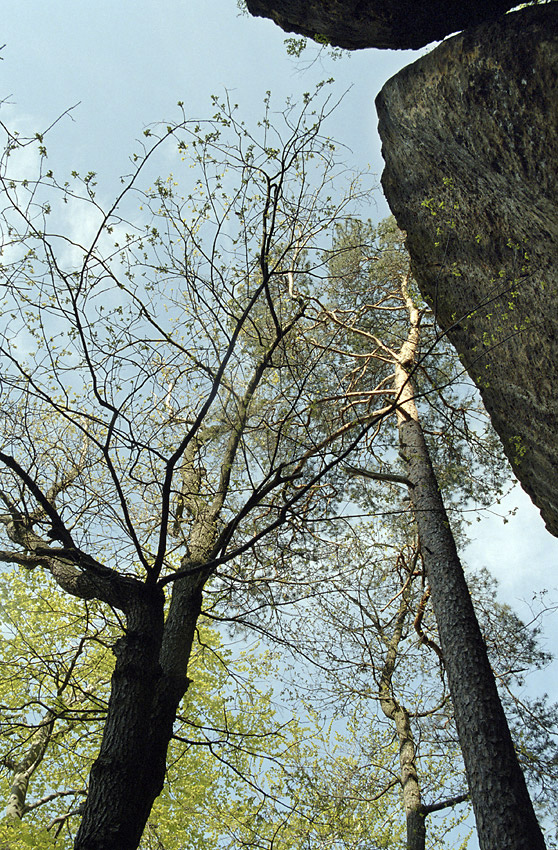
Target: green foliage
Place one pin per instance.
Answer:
(59, 664)
(235, 773)
(21, 836)
(366, 269)
(296, 46)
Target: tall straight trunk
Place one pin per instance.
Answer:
(503, 810)
(147, 686)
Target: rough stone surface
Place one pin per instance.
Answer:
(470, 140)
(398, 24)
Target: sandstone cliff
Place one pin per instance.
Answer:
(355, 24)
(470, 140)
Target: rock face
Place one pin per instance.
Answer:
(355, 24)
(470, 140)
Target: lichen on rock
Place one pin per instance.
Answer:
(470, 141)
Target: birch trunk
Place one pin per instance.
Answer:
(412, 802)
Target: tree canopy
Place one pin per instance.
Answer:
(200, 377)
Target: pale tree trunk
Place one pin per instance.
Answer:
(412, 802)
(503, 810)
(23, 769)
(398, 714)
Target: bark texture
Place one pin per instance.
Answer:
(503, 810)
(398, 714)
(147, 686)
(355, 24)
(470, 141)
(23, 769)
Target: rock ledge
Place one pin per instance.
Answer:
(355, 24)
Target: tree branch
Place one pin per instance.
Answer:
(392, 477)
(54, 796)
(445, 804)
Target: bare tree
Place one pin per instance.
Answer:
(164, 408)
(374, 648)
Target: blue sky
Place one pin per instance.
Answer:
(128, 63)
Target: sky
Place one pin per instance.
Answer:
(127, 64)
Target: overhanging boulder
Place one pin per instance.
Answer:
(398, 24)
(470, 141)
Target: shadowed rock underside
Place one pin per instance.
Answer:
(398, 24)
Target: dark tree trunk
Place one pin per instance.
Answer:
(146, 691)
(416, 830)
(503, 810)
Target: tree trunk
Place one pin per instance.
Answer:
(146, 691)
(412, 803)
(414, 816)
(23, 769)
(503, 810)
